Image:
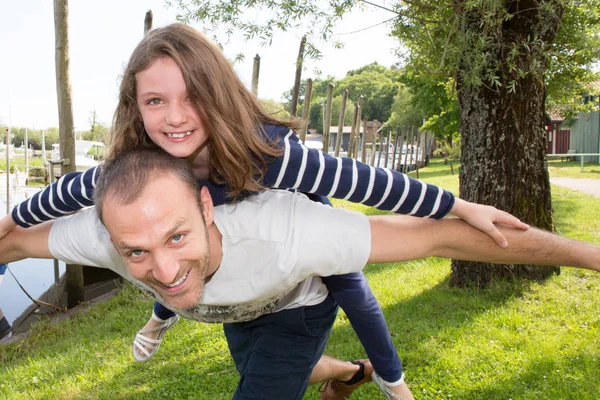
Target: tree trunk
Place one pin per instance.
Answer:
(298, 77)
(504, 143)
(74, 273)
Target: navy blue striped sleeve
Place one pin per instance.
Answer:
(70, 193)
(312, 171)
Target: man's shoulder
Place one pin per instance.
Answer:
(260, 216)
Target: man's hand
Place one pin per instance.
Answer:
(484, 218)
(6, 225)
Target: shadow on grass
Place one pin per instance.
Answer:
(440, 312)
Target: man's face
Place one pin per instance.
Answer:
(162, 236)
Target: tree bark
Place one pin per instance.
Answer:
(74, 273)
(503, 144)
(298, 77)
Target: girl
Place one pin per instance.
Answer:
(180, 93)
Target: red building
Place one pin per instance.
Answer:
(558, 139)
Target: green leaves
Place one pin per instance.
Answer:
(261, 19)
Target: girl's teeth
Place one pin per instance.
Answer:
(179, 135)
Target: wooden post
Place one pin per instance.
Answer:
(340, 132)
(46, 175)
(400, 167)
(363, 155)
(66, 129)
(327, 118)
(419, 136)
(387, 147)
(408, 134)
(147, 22)
(26, 145)
(255, 74)
(306, 109)
(357, 125)
(43, 147)
(380, 148)
(352, 133)
(373, 149)
(8, 171)
(395, 148)
(297, 78)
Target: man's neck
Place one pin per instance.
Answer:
(215, 247)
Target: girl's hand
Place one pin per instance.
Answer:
(485, 219)
(6, 225)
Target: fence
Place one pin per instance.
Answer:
(569, 155)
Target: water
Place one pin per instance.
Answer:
(35, 275)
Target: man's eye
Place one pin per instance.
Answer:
(177, 238)
(136, 253)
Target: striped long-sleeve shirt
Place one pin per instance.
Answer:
(306, 170)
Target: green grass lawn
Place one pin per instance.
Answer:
(523, 341)
(572, 169)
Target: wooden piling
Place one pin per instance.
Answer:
(340, 132)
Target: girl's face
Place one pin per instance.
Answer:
(169, 116)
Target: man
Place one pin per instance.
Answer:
(255, 265)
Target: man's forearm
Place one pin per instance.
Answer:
(23, 243)
(402, 239)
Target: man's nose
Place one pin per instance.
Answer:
(165, 268)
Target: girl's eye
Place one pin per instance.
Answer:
(154, 101)
(177, 238)
(136, 253)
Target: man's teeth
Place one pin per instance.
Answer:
(179, 282)
(179, 135)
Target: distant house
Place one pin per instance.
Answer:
(585, 128)
(559, 137)
(372, 128)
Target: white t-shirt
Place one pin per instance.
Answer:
(276, 245)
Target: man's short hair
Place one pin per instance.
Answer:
(125, 176)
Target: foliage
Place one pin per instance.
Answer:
(404, 112)
(261, 19)
(378, 86)
(97, 133)
(34, 137)
(376, 83)
(20, 162)
(438, 39)
(441, 44)
(276, 109)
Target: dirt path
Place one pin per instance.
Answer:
(585, 185)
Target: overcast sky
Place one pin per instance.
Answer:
(102, 35)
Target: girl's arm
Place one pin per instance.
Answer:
(313, 171)
(70, 193)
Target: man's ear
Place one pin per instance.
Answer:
(208, 209)
(115, 246)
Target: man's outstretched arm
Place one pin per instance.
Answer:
(23, 243)
(398, 238)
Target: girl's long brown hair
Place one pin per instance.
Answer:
(232, 115)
